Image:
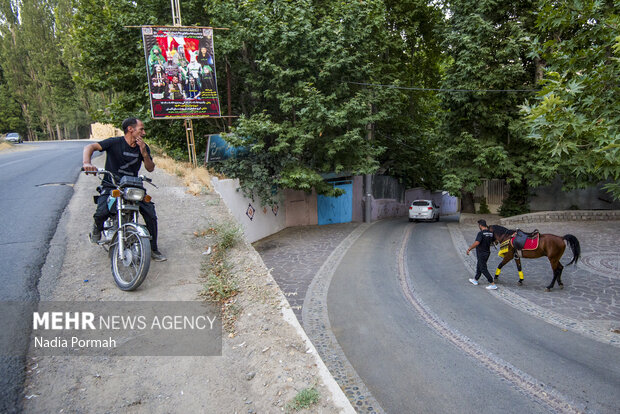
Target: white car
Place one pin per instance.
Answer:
(13, 137)
(423, 210)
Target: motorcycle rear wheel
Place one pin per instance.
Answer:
(130, 272)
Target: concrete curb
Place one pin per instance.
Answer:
(330, 383)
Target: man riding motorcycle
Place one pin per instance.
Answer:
(124, 157)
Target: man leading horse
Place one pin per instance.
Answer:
(548, 245)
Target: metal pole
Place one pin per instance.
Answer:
(176, 12)
(189, 125)
(368, 180)
(228, 92)
(191, 145)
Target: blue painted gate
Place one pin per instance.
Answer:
(336, 209)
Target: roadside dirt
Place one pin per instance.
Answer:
(263, 366)
(9, 147)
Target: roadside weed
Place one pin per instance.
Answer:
(304, 399)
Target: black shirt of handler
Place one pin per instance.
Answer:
(121, 159)
(485, 238)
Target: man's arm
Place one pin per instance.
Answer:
(88, 154)
(473, 246)
(148, 161)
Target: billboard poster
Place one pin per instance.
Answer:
(180, 64)
(219, 150)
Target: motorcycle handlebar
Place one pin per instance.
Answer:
(102, 171)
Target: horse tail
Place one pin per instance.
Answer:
(574, 246)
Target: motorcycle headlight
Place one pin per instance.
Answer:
(134, 194)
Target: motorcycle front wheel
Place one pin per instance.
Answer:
(130, 272)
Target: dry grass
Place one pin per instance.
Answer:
(197, 180)
(5, 145)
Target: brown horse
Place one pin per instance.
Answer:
(549, 245)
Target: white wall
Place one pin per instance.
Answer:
(265, 221)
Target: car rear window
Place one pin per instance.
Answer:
(420, 203)
(12, 134)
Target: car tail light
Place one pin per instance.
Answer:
(430, 208)
(410, 207)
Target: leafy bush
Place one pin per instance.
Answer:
(517, 201)
(484, 207)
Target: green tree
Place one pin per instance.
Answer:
(301, 74)
(489, 76)
(10, 111)
(576, 116)
(36, 76)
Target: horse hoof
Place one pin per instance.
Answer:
(520, 283)
(547, 290)
(561, 286)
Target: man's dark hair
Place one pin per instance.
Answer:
(482, 222)
(129, 122)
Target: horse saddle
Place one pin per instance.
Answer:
(525, 241)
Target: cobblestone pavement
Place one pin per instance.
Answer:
(590, 301)
(295, 255)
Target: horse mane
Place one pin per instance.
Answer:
(495, 228)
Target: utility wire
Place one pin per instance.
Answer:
(442, 90)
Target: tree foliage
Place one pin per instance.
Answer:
(36, 77)
(490, 75)
(10, 111)
(576, 116)
(302, 74)
(309, 79)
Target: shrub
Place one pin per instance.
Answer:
(484, 207)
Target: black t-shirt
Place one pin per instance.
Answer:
(485, 237)
(122, 159)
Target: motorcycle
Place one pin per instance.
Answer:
(127, 242)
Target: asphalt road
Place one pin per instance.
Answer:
(425, 340)
(36, 184)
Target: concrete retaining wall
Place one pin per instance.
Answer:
(298, 208)
(566, 215)
(257, 221)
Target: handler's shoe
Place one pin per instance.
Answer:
(474, 282)
(491, 287)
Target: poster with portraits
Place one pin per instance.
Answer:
(180, 65)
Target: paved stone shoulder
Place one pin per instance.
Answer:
(295, 254)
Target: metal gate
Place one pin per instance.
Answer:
(336, 209)
(493, 190)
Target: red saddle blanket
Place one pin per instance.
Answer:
(530, 244)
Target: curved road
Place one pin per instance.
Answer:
(36, 183)
(424, 340)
